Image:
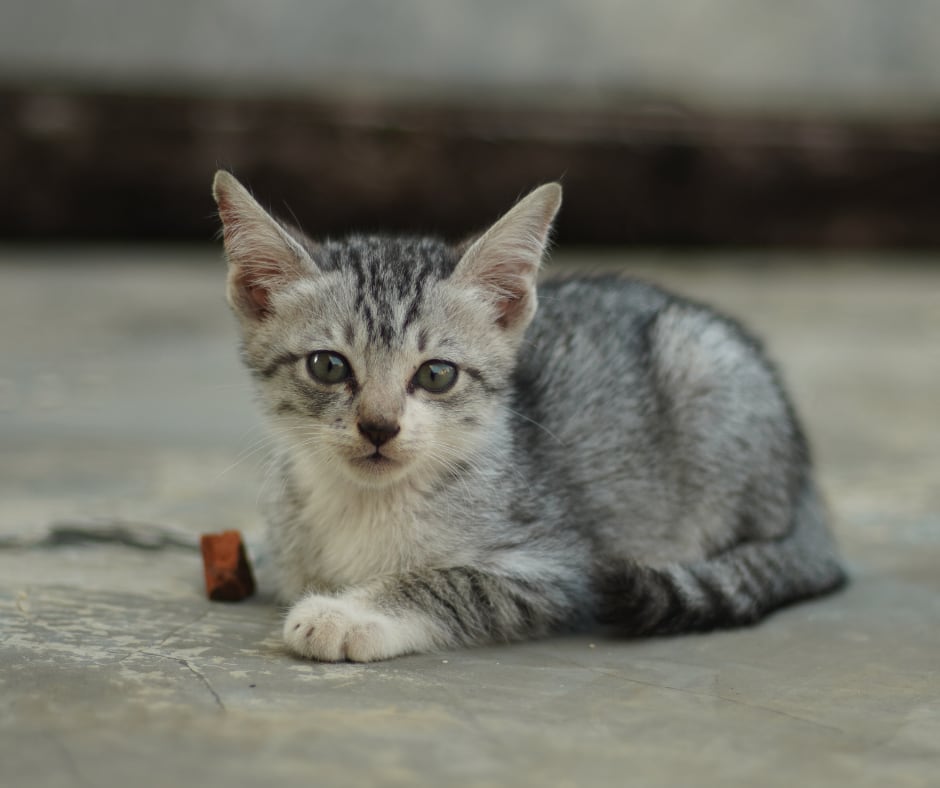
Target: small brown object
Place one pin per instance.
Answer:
(228, 573)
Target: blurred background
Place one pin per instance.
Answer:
(728, 122)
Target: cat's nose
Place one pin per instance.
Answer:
(378, 432)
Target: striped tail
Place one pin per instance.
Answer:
(734, 588)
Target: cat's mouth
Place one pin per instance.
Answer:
(375, 469)
(375, 460)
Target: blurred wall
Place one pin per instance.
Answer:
(842, 56)
(692, 122)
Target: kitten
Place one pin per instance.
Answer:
(458, 468)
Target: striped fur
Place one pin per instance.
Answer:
(736, 587)
(608, 453)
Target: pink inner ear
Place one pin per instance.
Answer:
(253, 286)
(510, 308)
(508, 281)
(255, 275)
(260, 297)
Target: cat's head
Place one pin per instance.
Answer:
(383, 357)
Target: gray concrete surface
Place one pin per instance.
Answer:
(121, 403)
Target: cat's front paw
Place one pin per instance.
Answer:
(331, 629)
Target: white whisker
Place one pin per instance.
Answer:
(542, 427)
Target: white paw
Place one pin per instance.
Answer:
(331, 629)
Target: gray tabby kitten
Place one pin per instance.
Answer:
(456, 468)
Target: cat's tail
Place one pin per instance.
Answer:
(734, 588)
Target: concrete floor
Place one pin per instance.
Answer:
(122, 406)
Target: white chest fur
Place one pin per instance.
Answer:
(344, 534)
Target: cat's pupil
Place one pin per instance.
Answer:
(328, 367)
(436, 376)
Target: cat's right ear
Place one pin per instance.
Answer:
(262, 256)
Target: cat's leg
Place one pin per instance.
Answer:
(424, 611)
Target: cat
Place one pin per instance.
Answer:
(457, 467)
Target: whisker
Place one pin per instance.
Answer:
(260, 444)
(542, 427)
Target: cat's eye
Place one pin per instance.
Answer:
(328, 367)
(436, 376)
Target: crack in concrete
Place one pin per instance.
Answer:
(71, 767)
(780, 713)
(181, 628)
(192, 669)
(722, 698)
(696, 693)
(202, 677)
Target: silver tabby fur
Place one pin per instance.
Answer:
(617, 456)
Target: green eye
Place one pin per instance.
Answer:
(328, 367)
(436, 376)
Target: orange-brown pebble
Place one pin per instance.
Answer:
(228, 574)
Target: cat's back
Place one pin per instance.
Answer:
(614, 342)
(594, 304)
(587, 346)
(643, 407)
(619, 366)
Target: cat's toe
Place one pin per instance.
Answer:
(331, 629)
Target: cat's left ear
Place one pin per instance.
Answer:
(504, 262)
(263, 257)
